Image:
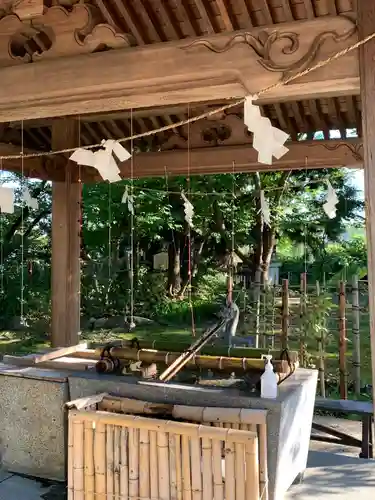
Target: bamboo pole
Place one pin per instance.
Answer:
(154, 465)
(89, 462)
(321, 350)
(264, 318)
(172, 466)
(178, 456)
(70, 458)
(109, 461)
(133, 450)
(144, 463)
(285, 315)
(217, 471)
(173, 347)
(163, 461)
(240, 471)
(273, 309)
(186, 471)
(252, 472)
(230, 472)
(222, 363)
(158, 425)
(99, 458)
(117, 461)
(78, 460)
(207, 473)
(196, 468)
(257, 306)
(263, 464)
(124, 467)
(356, 337)
(342, 346)
(126, 405)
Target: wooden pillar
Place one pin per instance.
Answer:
(66, 214)
(366, 26)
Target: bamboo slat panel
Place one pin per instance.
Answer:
(230, 418)
(120, 456)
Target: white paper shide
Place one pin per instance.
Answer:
(6, 200)
(268, 140)
(188, 210)
(128, 199)
(330, 206)
(29, 200)
(103, 159)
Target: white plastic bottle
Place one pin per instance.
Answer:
(268, 381)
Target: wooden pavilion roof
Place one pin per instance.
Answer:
(148, 22)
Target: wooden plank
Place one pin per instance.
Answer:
(366, 23)
(344, 406)
(216, 160)
(219, 66)
(59, 353)
(71, 364)
(66, 214)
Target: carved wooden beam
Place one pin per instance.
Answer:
(220, 66)
(213, 160)
(219, 160)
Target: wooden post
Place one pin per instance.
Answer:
(366, 23)
(66, 216)
(356, 338)
(342, 347)
(321, 350)
(285, 315)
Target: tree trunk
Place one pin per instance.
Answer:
(174, 268)
(196, 257)
(268, 244)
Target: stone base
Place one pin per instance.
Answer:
(32, 417)
(289, 417)
(32, 421)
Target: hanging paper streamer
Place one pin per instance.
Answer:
(103, 159)
(6, 200)
(265, 209)
(189, 210)
(331, 201)
(129, 200)
(268, 140)
(29, 200)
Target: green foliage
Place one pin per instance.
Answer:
(226, 211)
(334, 262)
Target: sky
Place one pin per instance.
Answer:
(358, 181)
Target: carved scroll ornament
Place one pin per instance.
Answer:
(228, 130)
(354, 149)
(271, 47)
(57, 33)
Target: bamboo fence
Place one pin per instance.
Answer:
(342, 342)
(122, 456)
(286, 321)
(356, 336)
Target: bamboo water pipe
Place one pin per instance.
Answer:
(180, 346)
(222, 363)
